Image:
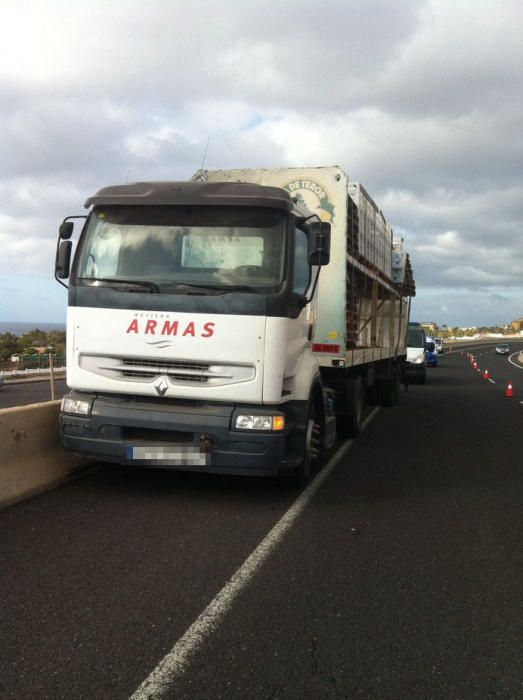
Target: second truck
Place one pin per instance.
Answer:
(233, 323)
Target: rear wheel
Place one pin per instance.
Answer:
(349, 424)
(390, 388)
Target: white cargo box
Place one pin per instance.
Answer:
(343, 306)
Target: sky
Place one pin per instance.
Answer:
(421, 101)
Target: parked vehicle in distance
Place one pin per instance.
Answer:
(415, 366)
(502, 349)
(431, 354)
(438, 342)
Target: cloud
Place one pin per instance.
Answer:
(420, 101)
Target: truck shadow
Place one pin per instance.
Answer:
(163, 483)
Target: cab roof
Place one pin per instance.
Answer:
(196, 193)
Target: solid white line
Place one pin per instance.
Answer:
(513, 363)
(466, 348)
(491, 381)
(161, 679)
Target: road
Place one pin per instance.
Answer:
(26, 392)
(401, 576)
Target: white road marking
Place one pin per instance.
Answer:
(161, 679)
(467, 348)
(512, 362)
(491, 380)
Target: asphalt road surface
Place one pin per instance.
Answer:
(26, 392)
(400, 577)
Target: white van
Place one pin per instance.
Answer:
(415, 366)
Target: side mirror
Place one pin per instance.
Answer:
(66, 230)
(319, 243)
(63, 260)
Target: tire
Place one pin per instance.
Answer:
(390, 388)
(303, 473)
(349, 425)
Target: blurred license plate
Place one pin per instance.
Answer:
(169, 454)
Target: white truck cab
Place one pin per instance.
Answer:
(189, 324)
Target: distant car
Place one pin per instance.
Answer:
(502, 349)
(431, 354)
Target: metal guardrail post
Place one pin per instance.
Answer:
(51, 375)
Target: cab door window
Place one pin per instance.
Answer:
(302, 270)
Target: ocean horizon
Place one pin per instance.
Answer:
(21, 327)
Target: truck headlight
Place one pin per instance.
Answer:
(418, 361)
(245, 422)
(76, 406)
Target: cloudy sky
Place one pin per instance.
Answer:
(421, 101)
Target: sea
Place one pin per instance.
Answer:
(21, 327)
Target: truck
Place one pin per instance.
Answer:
(234, 323)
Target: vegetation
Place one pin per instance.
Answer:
(446, 332)
(27, 343)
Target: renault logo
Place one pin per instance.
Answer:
(161, 386)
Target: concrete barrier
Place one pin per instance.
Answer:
(31, 457)
(520, 358)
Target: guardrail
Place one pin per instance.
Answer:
(31, 457)
(25, 372)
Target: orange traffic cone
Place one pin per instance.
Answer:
(508, 392)
(485, 374)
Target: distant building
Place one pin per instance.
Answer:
(430, 327)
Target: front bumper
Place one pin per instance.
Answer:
(415, 370)
(192, 436)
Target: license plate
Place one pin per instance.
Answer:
(169, 454)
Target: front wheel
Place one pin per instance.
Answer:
(303, 473)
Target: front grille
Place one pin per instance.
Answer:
(187, 372)
(163, 366)
(180, 371)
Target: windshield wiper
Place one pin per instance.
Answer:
(132, 285)
(222, 289)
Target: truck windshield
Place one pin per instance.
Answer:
(415, 339)
(184, 249)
